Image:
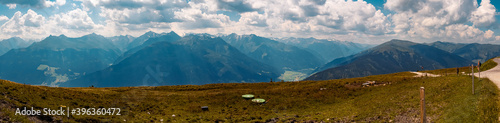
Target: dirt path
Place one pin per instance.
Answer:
(493, 74)
(420, 74)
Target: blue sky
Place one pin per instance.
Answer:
(370, 21)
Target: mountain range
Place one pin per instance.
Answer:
(389, 57)
(169, 59)
(57, 59)
(325, 49)
(274, 53)
(192, 59)
(141, 39)
(122, 41)
(168, 37)
(473, 52)
(13, 43)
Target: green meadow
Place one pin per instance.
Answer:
(393, 98)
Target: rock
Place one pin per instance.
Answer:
(272, 120)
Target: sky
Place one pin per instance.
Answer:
(369, 22)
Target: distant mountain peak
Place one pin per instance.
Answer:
(199, 37)
(53, 37)
(172, 33)
(233, 34)
(93, 36)
(397, 42)
(63, 36)
(14, 38)
(400, 41)
(150, 33)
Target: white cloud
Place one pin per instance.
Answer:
(25, 25)
(254, 19)
(3, 18)
(31, 25)
(443, 20)
(49, 3)
(416, 20)
(196, 19)
(11, 6)
(281, 18)
(484, 16)
(139, 12)
(311, 18)
(76, 19)
(488, 34)
(463, 31)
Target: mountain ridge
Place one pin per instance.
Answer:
(390, 57)
(190, 60)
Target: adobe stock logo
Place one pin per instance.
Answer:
(153, 77)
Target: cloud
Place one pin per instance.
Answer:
(416, 20)
(11, 6)
(488, 34)
(329, 16)
(75, 19)
(133, 4)
(3, 18)
(484, 16)
(282, 18)
(57, 2)
(122, 4)
(32, 3)
(194, 18)
(404, 5)
(310, 10)
(354, 16)
(442, 20)
(32, 25)
(431, 14)
(319, 2)
(139, 12)
(463, 31)
(254, 19)
(235, 5)
(21, 25)
(139, 16)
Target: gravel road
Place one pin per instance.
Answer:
(493, 74)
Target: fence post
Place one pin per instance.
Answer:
(422, 105)
(472, 79)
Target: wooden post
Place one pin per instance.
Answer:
(422, 105)
(472, 79)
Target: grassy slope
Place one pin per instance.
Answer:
(488, 64)
(448, 99)
(450, 71)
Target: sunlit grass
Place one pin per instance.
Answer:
(396, 98)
